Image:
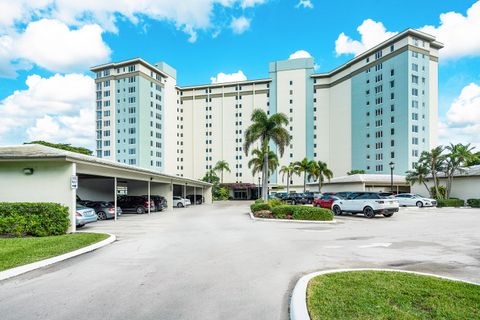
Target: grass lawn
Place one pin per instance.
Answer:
(390, 295)
(15, 252)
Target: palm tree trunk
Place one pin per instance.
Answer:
(288, 184)
(222, 176)
(265, 176)
(305, 182)
(435, 183)
(426, 187)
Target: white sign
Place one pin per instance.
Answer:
(74, 182)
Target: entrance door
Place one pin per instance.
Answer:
(240, 194)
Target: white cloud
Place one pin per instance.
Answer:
(371, 34)
(456, 31)
(300, 54)
(459, 33)
(50, 105)
(240, 24)
(229, 77)
(304, 4)
(251, 3)
(462, 123)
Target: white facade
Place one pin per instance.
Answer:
(203, 124)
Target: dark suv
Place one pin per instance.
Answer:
(137, 204)
(159, 202)
(198, 198)
(295, 198)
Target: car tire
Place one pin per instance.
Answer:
(294, 202)
(80, 226)
(140, 210)
(387, 215)
(102, 215)
(419, 204)
(336, 210)
(368, 212)
(179, 205)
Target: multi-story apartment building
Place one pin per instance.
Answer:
(377, 108)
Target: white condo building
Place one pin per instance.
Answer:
(377, 108)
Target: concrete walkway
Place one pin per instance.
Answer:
(213, 262)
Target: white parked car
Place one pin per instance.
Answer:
(368, 203)
(410, 199)
(180, 202)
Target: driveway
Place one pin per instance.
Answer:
(213, 262)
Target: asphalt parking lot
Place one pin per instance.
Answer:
(214, 262)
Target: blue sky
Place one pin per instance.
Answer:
(200, 39)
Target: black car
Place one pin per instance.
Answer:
(296, 198)
(199, 199)
(137, 204)
(159, 202)
(310, 196)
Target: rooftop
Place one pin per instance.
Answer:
(366, 178)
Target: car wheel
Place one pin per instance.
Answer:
(337, 211)
(368, 212)
(419, 204)
(388, 215)
(179, 205)
(80, 226)
(140, 210)
(102, 215)
(294, 202)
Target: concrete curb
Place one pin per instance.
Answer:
(290, 221)
(13, 272)
(298, 302)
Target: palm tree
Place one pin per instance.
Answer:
(266, 129)
(289, 171)
(304, 167)
(419, 174)
(474, 160)
(258, 159)
(319, 170)
(458, 155)
(220, 166)
(434, 161)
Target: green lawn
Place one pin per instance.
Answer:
(390, 295)
(15, 252)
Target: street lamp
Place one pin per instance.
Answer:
(258, 195)
(392, 166)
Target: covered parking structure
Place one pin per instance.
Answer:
(36, 173)
(364, 182)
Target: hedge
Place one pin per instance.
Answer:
(312, 213)
(450, 203)
(260, 206)
(42, 219)
(281, 212)
(259, 201)
(474, 203)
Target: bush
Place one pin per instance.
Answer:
(441, 190)
(260, 206)
(311, 213)
(450, 203)
(33, 219)
(259, 201)
(474, 203)
(275, 202)
(283, 211)
(221, 193)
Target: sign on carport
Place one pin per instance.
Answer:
(74, 182)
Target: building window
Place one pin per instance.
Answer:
(414, 67)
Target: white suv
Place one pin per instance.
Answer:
(368, 203)
(410, 199)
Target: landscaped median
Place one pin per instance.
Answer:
(276, 210)
(383, 294)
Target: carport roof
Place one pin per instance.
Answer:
(367, 179)
(40, 152)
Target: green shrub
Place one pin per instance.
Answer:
(259, 201)
(450, 203)
(275, 202)
(260, 206)
(311, 213)
(283, 211)
(474, 203)
(33, 219)
(441, 190)
(221, 193)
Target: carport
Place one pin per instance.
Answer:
(36, 173)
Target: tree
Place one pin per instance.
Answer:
(304, 167)
(258, 159)
(289, 171)
(351, 173)
(319, 170)
(265, 129)
(211, 177)
(62, 146)
(434, 162)
(220, 166)
(474, 160)
(418, 175)
(455, 159)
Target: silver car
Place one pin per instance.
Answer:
(411, 199)
(84, 215)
